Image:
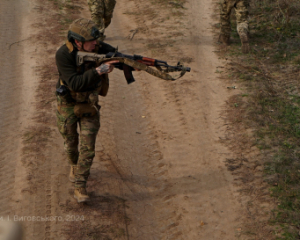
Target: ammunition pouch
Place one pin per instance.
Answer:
(85, 110)
(80, 97)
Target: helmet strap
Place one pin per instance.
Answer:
(77, 45)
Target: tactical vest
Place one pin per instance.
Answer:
(90, 97)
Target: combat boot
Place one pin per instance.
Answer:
(72, 173)
(245, 42)
(224, 38)
(81, 195)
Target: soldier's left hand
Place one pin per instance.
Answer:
(106, 67)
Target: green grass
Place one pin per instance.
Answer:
(270, 76)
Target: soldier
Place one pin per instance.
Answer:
(102, 13)
(241, 12)
(77, 99)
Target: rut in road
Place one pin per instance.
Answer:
(11, 15)
(184, 121)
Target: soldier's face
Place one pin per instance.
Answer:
(87, 46)
(90, 45)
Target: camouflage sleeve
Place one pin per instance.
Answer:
(97, 12)
(109, 6)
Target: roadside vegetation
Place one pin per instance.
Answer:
(266, 110)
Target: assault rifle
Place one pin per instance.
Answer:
(129, 63)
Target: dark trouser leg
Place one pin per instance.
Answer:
(97, 13)
(226, 7)
(241, 10)
(89, 127)
(67, 125)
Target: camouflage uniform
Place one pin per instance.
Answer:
(102, 13)
(82, 85)
(241, 12)
(67, 123)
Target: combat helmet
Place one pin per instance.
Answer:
(83, 30)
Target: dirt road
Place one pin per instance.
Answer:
(159, 170)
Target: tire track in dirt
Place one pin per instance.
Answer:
(144, 160)
(9, 27)
(170, 218)
(11, 14)
(17, 201)
(184, 123)
(33, 159)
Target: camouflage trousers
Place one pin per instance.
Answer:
(67, 123)
(102, 13)
(241, 12)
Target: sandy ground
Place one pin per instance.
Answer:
(159, 170)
